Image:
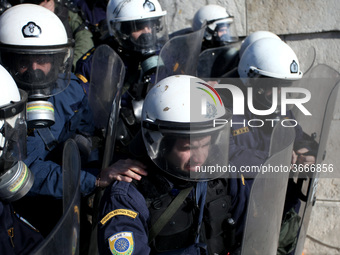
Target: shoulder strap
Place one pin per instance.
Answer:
(48, 138)
(168, 213)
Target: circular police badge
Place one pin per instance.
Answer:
(121, 243)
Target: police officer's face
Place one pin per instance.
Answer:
(189, 153)
(222, 31)
(143, 29)
(34, 62)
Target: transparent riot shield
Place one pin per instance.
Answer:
(320, 82)
(64, 238)
(323, 84)
(106, 74)
(107, 78)
(180, 55)
(216, 62)
(267, 196)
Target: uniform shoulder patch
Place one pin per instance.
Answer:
(117, 212)
(240, 131)
(121, 243)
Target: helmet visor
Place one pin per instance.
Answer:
(13, 131)
(145, 35)
(268, 91)
(40, 72)
(190, 153)
(225, 32)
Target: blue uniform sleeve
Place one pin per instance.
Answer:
(123, 226)
(72, 116)
(48, 178)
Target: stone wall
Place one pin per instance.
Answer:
(302, 24)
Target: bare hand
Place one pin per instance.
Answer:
(122, 170)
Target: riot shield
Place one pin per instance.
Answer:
(107, 78)
(64, 238)
(216, 62)
(107, 72)
(180, 55)
(323, 84)
(267, 196)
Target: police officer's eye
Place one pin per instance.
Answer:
(206, 145)
(23, 64)
(142, 25)
(185, 148)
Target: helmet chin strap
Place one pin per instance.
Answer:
(15, 182)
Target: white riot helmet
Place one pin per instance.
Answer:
(15, 178)
(220, 24)
(272, 59)
(37, 53)
(184, 108)
(32, 35)
(126, 17)
(254, 37)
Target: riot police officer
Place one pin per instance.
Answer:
(74, 24)
(265, 64)
(220, 36)
(37, 53)
(137, 32)
(180, 207)
(17, 236)
(220, 29)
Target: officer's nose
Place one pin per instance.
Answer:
(146, 30)
(35, 65)
(198, 156)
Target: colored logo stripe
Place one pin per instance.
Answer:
(218, 96)
(208, 93)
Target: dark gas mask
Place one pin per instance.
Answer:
(145, 41)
